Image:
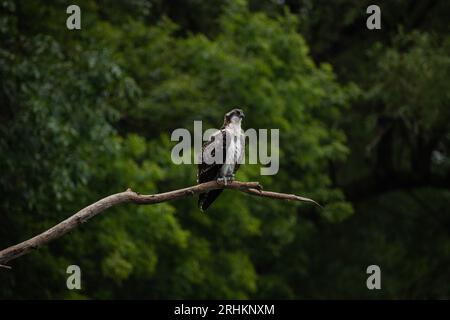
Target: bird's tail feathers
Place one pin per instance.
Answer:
(205, 199)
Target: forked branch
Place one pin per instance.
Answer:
(253, 188)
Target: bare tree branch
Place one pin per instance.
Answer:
(279, 196)
(253, 188)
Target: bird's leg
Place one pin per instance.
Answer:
(225, 179)
(229, 178)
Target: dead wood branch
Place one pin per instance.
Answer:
(253, 188)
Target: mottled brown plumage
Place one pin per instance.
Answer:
(208, 172)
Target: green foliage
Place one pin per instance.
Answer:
(417, 107)
(88, 113)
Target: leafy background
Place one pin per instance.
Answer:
(364, 124)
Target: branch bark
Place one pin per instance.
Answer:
(253, 188)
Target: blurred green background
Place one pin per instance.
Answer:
(364, 120)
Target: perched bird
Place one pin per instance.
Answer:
(229, 141)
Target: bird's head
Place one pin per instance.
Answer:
(233, 116)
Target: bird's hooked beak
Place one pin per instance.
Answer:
(241, 115)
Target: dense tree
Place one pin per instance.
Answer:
(88, 113)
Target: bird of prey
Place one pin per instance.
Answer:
(221, 156)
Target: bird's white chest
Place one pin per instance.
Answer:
(233, 150)
(234, 146)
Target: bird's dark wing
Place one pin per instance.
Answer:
(209, 171)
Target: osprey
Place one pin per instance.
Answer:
(221, 156)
